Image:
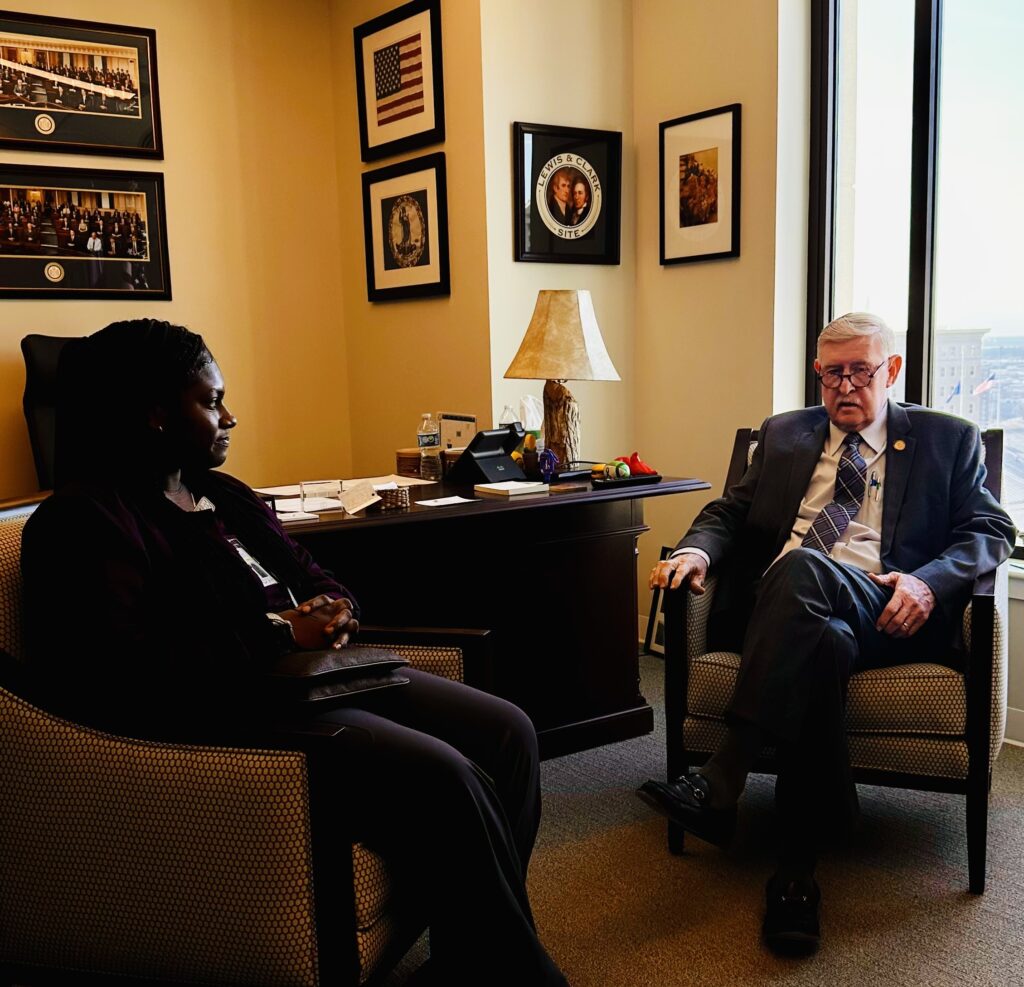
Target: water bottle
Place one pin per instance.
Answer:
(428, 438)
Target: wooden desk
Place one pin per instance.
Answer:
(553, 576)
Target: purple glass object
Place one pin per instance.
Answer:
(547, 461)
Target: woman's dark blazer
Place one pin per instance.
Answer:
(142, 618)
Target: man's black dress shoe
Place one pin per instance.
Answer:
(685, 801)
(791, 918)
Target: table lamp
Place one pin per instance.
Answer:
(562, 342)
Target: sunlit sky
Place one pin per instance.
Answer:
(979, 248)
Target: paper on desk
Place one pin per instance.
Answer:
(292, 489)
(297, 516)
(293, 505)
(358, 497)
(446, 501)
(401, 481)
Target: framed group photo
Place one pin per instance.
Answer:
(79, 86)
(405, 227)
(399, 80)
(82, 233)
(700, 185)
(567, 194)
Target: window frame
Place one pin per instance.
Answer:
(821, 212)
(824, 124)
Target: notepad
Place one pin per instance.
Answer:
(446, 501)
(511, 488)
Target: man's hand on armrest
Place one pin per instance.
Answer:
(686, 568)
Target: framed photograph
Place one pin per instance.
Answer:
(78, 86)
(399, 81)
(405, 225)
(567, 194)
(82, 233)
(700, 186)
(654, 639)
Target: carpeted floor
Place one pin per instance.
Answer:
(615, 909)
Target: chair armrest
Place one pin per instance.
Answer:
(698, 611)
(472, 648)
(978, 624)
(87, 814)
(985, 638)
(686, 637)
(985, 584)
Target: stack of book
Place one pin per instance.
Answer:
(511, 488)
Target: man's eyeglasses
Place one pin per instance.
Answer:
(858, 378)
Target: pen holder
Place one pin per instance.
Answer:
(391, 499)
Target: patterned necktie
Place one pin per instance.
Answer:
(834, 517)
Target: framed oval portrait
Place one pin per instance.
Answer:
(567, 194)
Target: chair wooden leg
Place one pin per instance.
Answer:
(676, 839)
(977, 833)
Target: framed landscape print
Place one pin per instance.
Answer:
(567, 194)
(700, 185)
(82, 233)
(70, 85)
(405, 224)
(399, 80)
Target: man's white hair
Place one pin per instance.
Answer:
(855, 324)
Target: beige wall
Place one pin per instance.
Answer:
(408, 357)
(704, 331)
(326, 382)
(242, 155)
(532, 75)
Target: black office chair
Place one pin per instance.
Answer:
(42, 354)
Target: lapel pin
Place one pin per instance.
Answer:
(899, 445)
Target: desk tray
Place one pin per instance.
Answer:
(630, 481)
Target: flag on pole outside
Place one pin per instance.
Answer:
(398, 80)
(986, 385)
(953, 393)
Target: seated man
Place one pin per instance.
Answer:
(859, 529)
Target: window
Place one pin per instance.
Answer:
(979, 207)
(916, 205)
(874, 103)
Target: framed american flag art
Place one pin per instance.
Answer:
(399, 81)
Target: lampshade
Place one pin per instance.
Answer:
(563, 341)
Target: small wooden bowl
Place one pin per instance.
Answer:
(407, 461)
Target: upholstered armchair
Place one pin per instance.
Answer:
(923, 726)
(128, 861)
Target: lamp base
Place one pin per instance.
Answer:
(561, 422)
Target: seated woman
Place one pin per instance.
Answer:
(157, 589)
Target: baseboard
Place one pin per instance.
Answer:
(1015, 726)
